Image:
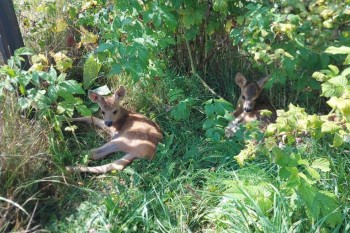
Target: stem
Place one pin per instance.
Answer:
(194, 72)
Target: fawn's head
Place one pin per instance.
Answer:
(109, 105)
(250, 91)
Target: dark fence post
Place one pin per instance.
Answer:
(10, 34)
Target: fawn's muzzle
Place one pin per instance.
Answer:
(247, 109)
(108, 123)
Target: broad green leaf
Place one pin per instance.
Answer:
(72, 86)
(24, 103)
(207, 124)
(338, 50)
(181, 110)
(313, 173)
(23, 51)
(329, 207)
(220, 5)
(91, 70)
(83, 110)
(115, 69)
(213, 134)
(104, 46)
(283, 159)
(337, 140)
(52, 92)
(321, 164)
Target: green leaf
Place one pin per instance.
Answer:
(337, 140)
(329, 207)
(338, 50)
(313, 173)
(83, 110)
(23, 51)
(283, 159)
(321, 164)
(115, 69)
(104, 46)
(91, 70)
(24, 103)
(213, 134)
(52, 92)
(347, 60)
(220, 5)
(72, 86)
(181, 110)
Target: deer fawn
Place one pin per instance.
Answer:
(130, 132)
(250, 105)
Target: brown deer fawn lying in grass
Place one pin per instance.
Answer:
(130, 132)
(251, 105)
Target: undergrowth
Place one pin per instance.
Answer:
(194, 184)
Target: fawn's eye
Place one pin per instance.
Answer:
(115, 111)
(103, 112)
(243, 97)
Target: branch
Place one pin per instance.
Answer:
(194, 72)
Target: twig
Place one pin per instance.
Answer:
(31, 217)
(194, 72)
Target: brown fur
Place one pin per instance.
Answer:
(250, 105)
(130, 132)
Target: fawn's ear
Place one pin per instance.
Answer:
(94, 97)
(120, 93)
(240, 80)
(262, 81)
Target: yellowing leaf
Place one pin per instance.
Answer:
(61, 25)
(63, 62)
(344, 107)
(88, 37)
(330, 127)
(338, 50)
(321, 164)
(333, 102)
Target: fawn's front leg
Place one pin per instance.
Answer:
(104, 150)
(233, 126)
(94, 121)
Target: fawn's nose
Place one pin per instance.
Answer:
(246, 109)
(108, 123)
